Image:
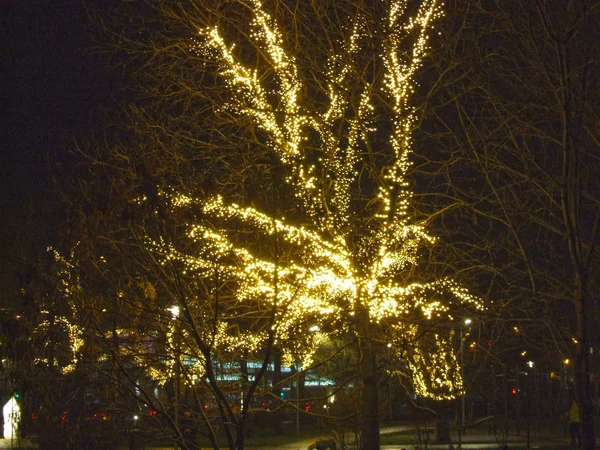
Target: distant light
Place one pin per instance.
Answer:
(12, 416)
(566, 362)
(389, 345)
(135, 417)
(468, 321)
(174, 311)
(530, 364)
(314, 328)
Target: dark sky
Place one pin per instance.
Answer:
(51, 91)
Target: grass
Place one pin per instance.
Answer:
(260, 437)
(288, 437)
(407, 438)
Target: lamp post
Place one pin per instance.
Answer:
(174, 310)
(467, 322)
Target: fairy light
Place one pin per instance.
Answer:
(329, 275)
(73, 333)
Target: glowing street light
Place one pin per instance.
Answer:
(467, 322)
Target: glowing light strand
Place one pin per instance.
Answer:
(324, 280)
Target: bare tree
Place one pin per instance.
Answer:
(517, 131)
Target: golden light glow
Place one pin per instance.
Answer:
(72, 333)
(355, 252)
(329, 274)
(442, 379)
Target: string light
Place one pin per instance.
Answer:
(329, 275)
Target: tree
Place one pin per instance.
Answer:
(519, 139)
(334, 114)
(49, 358)
(270, 172)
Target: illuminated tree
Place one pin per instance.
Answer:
(325, 92)
(265, 190)
(52, 358)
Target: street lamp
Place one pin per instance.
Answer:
(467, 322)
(174, 310)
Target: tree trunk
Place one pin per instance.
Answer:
(583, 391)
(277, 418)
(370, 401)
(239, 444)
(582, 382)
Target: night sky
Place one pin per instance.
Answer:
(52, 92)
